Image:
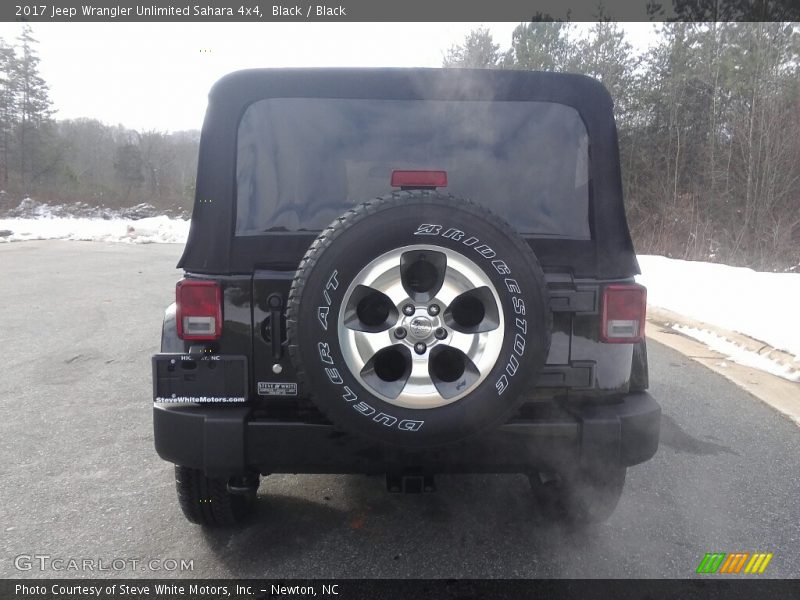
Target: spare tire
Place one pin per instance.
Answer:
(418, 319)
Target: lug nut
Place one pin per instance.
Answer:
(440, 333)
(400, 333)
(433, 310)
(420, 348)
(409, 310)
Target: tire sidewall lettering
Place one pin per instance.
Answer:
(348, 401)
(511, 286)
(330, 306)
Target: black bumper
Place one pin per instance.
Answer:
(225, 441)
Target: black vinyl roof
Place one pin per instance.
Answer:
(212, 247)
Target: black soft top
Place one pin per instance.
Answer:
(212, 247)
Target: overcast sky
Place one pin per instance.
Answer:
(157, 75)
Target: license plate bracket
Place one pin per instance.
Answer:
(200, 379)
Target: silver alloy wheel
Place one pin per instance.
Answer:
(421, 326)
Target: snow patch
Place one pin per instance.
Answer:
(760, 305)
(139, 224)
(738, 354)
(140, 231)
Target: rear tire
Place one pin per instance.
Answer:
(207, 501)
(580, 496)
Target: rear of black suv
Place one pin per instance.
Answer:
(406, 272)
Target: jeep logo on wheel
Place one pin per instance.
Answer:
(420, 327)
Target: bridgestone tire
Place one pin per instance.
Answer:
(207, 501)
(392, 224)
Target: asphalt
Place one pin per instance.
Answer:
(79, 478)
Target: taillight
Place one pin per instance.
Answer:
(198, 309)
(419, 179)
(624, 308)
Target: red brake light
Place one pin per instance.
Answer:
(198, 309)
(419, 179)
(624, 308)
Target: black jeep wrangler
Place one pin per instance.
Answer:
(406, 272)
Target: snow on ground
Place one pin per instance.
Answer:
(738, 354)
(760, 305)
(159, 229)
(763, 306)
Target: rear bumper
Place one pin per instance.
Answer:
(225, 441)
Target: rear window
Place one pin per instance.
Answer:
(301, 162)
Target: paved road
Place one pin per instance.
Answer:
(79, 477)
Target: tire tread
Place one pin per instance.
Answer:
(355, 215)
(207, 501)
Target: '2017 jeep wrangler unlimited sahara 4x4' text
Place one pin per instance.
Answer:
(406, 272)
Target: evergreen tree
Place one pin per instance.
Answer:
(477, 52)
(709, 129)
(541, 46)
(128, 165)
(8, 106)
(33, 108)
(608, 56)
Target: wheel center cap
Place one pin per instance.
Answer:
(420, 327)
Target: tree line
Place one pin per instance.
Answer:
(64, 162)
(709, 128)
(708, 119)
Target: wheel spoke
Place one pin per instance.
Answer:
(422, 273)
(369, 343)
(396, 292)
(422, 326)
(474, 311)
(451, 371)
(388, 370)
(468, 343)
(369, 310)
(474, 345)
(453, 286)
